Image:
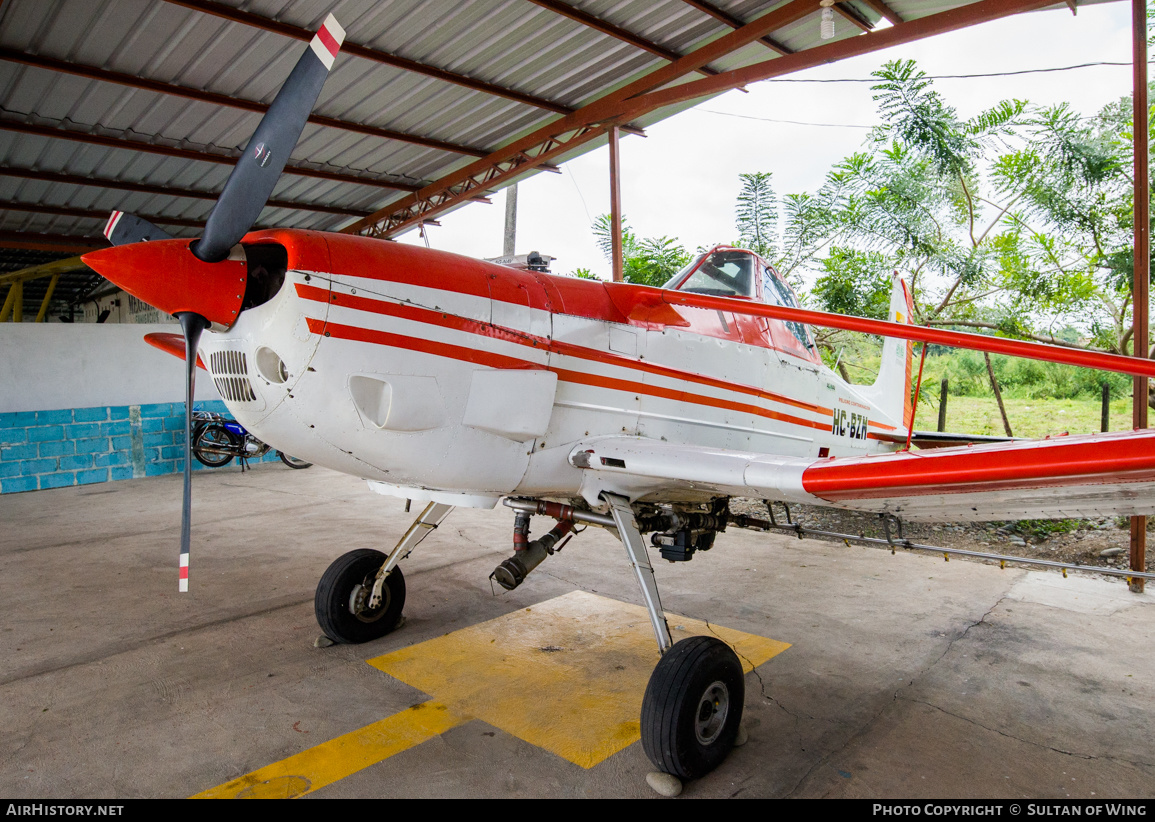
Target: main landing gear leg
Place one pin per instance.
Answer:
(692, 710)
(361, 595)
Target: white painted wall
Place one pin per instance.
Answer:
(46, 366)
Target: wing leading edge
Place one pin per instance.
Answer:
(1065, 476)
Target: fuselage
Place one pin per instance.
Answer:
(437, 376)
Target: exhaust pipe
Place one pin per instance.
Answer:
(514, 570)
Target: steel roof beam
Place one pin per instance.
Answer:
(129, 80)
(144, 188)
(35, 272)
(297, 33)
(50, 242)
(640, 98)
(566, 133)
(850, 13)
(734, 23)
(617, 32)
(951, 20)
(886, 11)
(189, 154)
(87, 213)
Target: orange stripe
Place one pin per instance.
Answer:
(453, 321)
(439, 349)
(457, 352)
(681, 396)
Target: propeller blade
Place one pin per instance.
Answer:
(192, 324)
(122, 229)
(256, 173)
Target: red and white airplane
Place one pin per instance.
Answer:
(454, 381)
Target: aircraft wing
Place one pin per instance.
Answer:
(1057, 477)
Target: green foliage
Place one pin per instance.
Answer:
(1042, 529)
(966, 372)
(1016, 222)
(854, 282)
(756, 214)
(583, 274)
(645, 261)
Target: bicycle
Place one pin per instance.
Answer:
(217, 439)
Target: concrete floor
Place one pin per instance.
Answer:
(906, 677)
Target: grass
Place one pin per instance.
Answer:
(1028, 417)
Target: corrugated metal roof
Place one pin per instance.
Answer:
(514, 44)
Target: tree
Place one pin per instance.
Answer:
(1015, 221)
(756, 214)
(645, 261)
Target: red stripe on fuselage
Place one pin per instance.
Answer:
(445, 320)
(457, 352)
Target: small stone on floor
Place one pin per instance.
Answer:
(664, 783)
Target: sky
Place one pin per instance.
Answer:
(681, 180)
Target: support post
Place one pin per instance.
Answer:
(43, 312)
(1142, 254)
(9, 300)
(616, 206)
(509, 246)
(18, 302)
(1105, 422)
(942, 397)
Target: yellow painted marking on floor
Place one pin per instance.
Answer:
(567, 675)
(340, 757)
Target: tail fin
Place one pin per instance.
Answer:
(891, 390)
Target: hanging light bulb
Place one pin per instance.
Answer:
(826, 27)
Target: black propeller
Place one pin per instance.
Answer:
(256, 173)
(123, 229)
(188, 281)
(192, 324)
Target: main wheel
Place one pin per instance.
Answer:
(693, 707)
(215, 438)
(343, 594)
(292, 462)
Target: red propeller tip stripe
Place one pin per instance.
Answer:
(328, 40)
(110, 226)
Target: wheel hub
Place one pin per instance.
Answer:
(359, 603)
(712, 710)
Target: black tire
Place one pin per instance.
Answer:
(693, 707)
(292, 462)
(212, 435)
(352, 576)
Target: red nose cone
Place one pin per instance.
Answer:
(165, 274)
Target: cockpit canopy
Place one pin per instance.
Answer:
(719, 273)
(737, 272)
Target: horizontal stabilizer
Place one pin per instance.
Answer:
(941, 439)
(171, 344)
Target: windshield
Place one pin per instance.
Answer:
(673, 281)
(721, 274)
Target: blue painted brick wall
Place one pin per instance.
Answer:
(77, 446)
